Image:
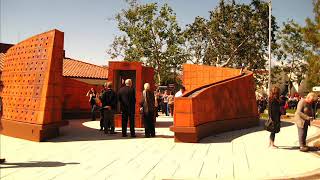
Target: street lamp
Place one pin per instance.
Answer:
(269, 49)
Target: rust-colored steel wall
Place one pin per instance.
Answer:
(229, 103)
(76, 104)
(195, 76)
(32, 93)
(143, 75)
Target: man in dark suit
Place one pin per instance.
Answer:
(127, 98)
(109, 104)
(147, 109)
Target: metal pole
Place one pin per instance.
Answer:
(269, 82)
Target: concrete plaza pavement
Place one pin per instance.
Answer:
(83, 152)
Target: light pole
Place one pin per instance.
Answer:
(269, 49)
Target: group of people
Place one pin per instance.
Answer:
(149, 104)
(109, 99)
(165, 100)
(304, 114)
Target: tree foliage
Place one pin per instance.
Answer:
(152, 36)
(292, 52)
(312, 37)
(234, 35)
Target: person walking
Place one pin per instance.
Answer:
(109, 104)
(303, 115)
(127, 98)
(147, 105)
(274, 114)
(92, 100)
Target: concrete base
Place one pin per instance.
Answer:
(32, 132)
(195, 134)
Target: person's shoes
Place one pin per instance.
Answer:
(124, 135)
(133, 136)
(112, 132)
(304, 149)
(106, 132)
(2, 160)
(153, 135)
(101, 129)
(146, 136)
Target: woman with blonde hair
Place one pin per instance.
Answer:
(274, 114)
(303, 115)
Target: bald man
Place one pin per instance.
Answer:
(127, 99)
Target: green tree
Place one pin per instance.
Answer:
(151, 35)
(235, 35)
(292, 53)
(312, 37)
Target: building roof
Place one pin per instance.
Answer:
(77, 69)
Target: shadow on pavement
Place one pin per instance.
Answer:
(77, 131)
(35, 164)
(231, 135)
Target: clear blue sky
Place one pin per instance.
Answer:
(89, 33)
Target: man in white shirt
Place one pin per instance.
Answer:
(180, 92)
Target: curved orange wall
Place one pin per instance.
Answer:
(32, 93)
(224, 105)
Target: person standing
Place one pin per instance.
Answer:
(165, 102)
(303, 115)
(170, 103)
(127, 98)
(92, 100)
(274, 113)
(101, 109)
(109, 104)
(147, 105)
(180, 92)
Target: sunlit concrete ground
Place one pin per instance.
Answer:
(83, 152)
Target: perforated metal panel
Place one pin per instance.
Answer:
(32, 77)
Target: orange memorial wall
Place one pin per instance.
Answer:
(32, 87)
(120, 71)
(217, 100)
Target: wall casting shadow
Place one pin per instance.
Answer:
(31, 164)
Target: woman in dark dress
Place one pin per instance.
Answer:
(92, 100)
(274, 113)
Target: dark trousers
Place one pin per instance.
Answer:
(125, 117)
(302, 133)
(108, 116)
(165, 108)
(93, 112)
(148, 120)
(272, 136)
(101, 119)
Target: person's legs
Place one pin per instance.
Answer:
(132, 130)
(112, 122)
(106, 121)
(272, 137)
(93, 112)
(305, 133)
(151, 125)
(124, 124)
(101, 120)
(302, 134)
(146, 125)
